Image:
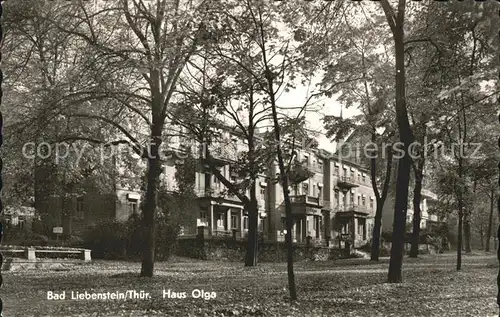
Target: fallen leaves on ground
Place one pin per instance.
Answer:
(353, 287)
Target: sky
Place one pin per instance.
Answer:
(327, 106)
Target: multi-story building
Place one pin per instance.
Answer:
(351, 201)
(427, 217)
(336, 204)
(333, 206)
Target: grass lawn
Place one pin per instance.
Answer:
(352, 287)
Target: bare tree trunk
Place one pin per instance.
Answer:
(375, 250)
(467, 232)
(490, 221)
(460, 218)
(150, 202)
(396, 22)
(251, 254)
(481, 235)
(498, 239)
(417, 214)
(286, 192)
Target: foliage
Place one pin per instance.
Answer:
(432, 288)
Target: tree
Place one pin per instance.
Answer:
(463, 70)
(136, 54)
(361, 78)
(396, 21)
(210, 114)
(42, 65)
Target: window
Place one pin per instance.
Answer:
(20, 222)
(220, 220)
(345, 172)
(371, 202)
(320, 228)
(216, 180)
(234, 221)
(245, 222)
(283, 223)
(315, 223)
(320, 192)
(320, 165)
(361, 228)
(364, 201)
(364, 178)
(203, 215)
(305, 160)
(305, 189)
(359, 177)
(79, 208)
(345, 228)
(132, 206)
(352, 175)
(314, 190)
(263, 191)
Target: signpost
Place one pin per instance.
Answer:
(57, 231)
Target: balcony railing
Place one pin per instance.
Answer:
(353, 208)
(347, 182)
(305, 199)
(215, 194)
(222, 233)
(205, 192)
(224, 153)
(316, 168)
(429, 194)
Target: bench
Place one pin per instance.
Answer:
(30, 252)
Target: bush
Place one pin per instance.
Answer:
(34, 239)
(68, 241)
(107, 239)
(124, 240)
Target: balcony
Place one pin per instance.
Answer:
(351, 210)
(347, 182)
(223, 154)
(306, 200)
(429, 194)
(215, 194)
(305, 205)
(316, 168)
(205, 192)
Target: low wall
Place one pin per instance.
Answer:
(14, 264)
(230, 250)
(32, 253)
(423, 248)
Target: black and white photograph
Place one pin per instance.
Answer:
(250, 158)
